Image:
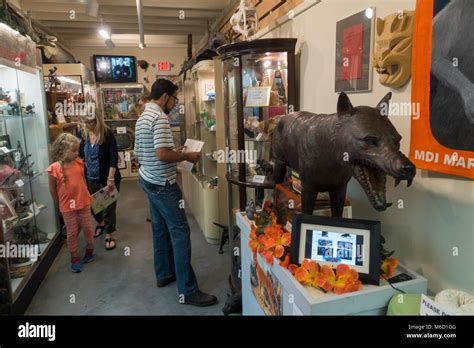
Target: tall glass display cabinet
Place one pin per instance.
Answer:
(200, 187)
(259, 85)
(29, 236)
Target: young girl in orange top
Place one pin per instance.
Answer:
(68, 187)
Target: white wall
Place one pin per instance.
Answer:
(438, 210)
(152, 55)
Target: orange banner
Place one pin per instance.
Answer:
(440, 138)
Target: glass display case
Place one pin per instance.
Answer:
(259, 85)
(120, 101)
(73, 81)
(200, 187)
(67, 85)
(30, 223)
(200, 106)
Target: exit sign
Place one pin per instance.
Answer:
(163, 66)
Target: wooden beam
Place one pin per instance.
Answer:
(280, 12)
(161, 11)
(122, 26)
(78, 31)
(79, 17)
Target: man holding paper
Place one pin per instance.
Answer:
(158, 158)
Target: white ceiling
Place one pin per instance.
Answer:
(163, 26)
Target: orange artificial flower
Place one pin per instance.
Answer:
(388, 266)
(285, 262)
(253, 242)
(307, 272)
(347, 280)
(274, 240)
(292, 268)
(344, 280)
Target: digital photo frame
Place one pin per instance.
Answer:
(334, 241)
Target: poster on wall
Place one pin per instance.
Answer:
(266, 288)
(442, 135)
(353, 52)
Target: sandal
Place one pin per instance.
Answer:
(101, 230)
(110, 240)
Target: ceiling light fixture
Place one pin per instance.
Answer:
(109, 43)
(104, 33)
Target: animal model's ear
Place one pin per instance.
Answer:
(344, 106)
(384, 104)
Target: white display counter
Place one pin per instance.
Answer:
(273, 290)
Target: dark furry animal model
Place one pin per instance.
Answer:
(327, 150)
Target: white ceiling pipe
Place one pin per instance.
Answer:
(141, 28)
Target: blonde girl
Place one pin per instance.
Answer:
(68, 187)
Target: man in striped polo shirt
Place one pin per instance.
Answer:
(157, 157)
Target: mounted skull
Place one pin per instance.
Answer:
(393, 46)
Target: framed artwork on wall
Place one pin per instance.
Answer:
(354, 40)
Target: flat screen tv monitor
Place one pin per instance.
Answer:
(115, 69)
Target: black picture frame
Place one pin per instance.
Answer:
(374, 245)
(364, 82)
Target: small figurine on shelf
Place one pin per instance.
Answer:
(22, 207)
(264, 168)
(29, 110)
(53, 81)
(15, 108)
(251, 210)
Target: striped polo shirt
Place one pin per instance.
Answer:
(152, 132)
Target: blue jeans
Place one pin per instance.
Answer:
(171, 235)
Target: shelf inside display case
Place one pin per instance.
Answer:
(10, 117)
(259, 85)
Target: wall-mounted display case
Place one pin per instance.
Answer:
(259, 85)
(30, 227)
(200, 187)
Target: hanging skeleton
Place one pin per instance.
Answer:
(245, 20)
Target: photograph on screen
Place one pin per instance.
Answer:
(327, 246)
(115, 69)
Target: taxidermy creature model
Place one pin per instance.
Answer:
(393, 46)
(245, 20)
(327, 150)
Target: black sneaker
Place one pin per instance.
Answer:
(200, 299)
(163, 282)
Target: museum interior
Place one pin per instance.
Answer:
(321, 153)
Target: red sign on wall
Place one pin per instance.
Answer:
(352, 52)
(163, 66)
